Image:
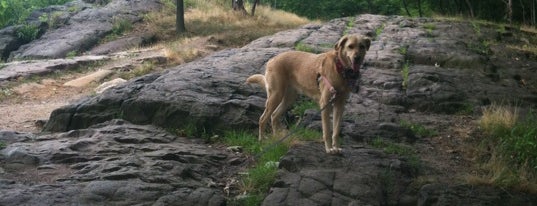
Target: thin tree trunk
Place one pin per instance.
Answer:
(406, 8)
(253, 7)
(419, 8)
(523, 12)
(180, 17)
(533, 13)
(509, 8)
(470, 8)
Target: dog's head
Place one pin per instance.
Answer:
(351, 50)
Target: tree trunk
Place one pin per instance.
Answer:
(470, 8)
(406, 8)
(533, 13)
(523, 12)
(509, 11)
(419, 8)
(238, 5)
(180, 17)
(253, 7)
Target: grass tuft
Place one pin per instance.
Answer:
(418, 129)
(509, 149)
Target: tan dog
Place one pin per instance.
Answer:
(326, 78)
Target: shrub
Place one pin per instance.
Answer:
(27, 32)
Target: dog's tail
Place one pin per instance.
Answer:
(257, 79)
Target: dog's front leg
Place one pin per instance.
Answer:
(338, 114)
(325, 118)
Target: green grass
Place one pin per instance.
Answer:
(403, 50)
(509, 147)
(258, 179)
(2, 145)
(404, 73)
(392, 148)
(418, 129)
(379, 30)
(429, 28)
(349, 26)
(404, 151)
(303, 47)
(300, 107)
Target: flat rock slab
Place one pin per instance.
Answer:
(361, 176)
(18, 69)
(115, 163)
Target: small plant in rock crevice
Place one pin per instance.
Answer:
(404, 73)
(418, 129)
(304, 47)
(257, 179)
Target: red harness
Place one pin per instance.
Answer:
(348, 74)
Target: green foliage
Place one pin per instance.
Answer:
(71, 54)
(335, 9)
(27, 32)
(15, 11)
(2, 145)
(418, 129)
(53, 20)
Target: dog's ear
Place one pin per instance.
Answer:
(341, 42)
(367, 43)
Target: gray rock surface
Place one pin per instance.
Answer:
(115, 163)
(14, 70)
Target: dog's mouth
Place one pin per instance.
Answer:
(356, 63)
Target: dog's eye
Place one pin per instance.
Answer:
(351, 46)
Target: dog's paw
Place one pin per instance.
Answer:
(334, 151)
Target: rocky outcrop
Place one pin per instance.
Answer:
(415, 67)
(115, 163)
(74, 27)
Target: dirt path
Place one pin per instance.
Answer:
(32, 103)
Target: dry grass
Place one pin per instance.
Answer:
(506, 160)
(498, 119)
(211, 20)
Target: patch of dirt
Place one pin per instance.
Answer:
(32, 103)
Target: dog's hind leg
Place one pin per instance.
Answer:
(273, 100)
(276, 118)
